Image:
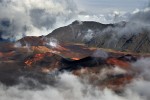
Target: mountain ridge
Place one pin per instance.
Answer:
(95, 34)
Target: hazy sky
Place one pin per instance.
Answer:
(40, 17)
(110, 5)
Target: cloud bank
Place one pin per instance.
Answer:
(70, 87)
(29, 17)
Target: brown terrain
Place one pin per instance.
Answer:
(102, 66)
(78, 59)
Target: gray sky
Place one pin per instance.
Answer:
(104, 6)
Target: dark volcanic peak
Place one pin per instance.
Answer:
(122, 36)
(90, 24)
(119, 36)
(77, 30)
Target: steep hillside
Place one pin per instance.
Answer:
(111, 36)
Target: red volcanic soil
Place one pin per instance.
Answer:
(117, 62)
(75, 58)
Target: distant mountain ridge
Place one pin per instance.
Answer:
(95, 34)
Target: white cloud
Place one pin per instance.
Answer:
(30, 17)
(67, 87)
(107, 6)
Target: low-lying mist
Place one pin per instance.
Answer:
(70, 87)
